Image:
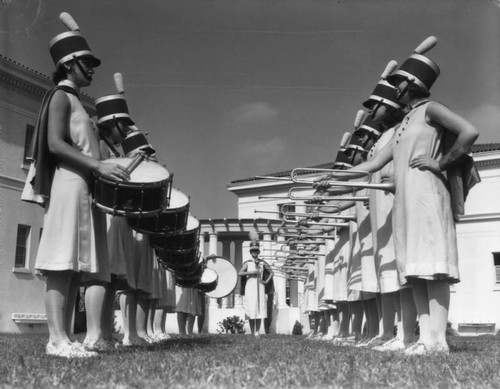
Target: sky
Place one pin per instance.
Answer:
(230, 89)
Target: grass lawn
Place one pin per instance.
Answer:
(235, 361)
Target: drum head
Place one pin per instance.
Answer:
(178, 199)
(145, 172)
(227, 276)
(192, 223)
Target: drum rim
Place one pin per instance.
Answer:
(128, 214)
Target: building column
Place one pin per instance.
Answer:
(202, 245)
(280, 288)
(227, 301)
(212, 250)
(238, 263)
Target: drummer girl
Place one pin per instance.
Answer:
(66, 152)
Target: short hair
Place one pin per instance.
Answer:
(417, 92)
(61, 73)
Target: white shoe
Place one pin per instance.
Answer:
(68, 350)
(394, 344)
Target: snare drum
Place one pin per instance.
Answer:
(189, 279)
(146, 193)
(208, 281)
(171, 220)
(178, 258)
(185, 240)
(227, 276)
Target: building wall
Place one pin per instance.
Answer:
(21, 289)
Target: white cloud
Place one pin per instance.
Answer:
(486, 118)
(258, 112)
(269, 147)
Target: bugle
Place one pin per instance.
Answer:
(318, 198)
(295, 173)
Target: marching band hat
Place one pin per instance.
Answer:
(254, 246)
(359, 141)
(418, 69)
(343, 161)
(70, 44)
(384, 93)
(112, 107)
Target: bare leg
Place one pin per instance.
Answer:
(181, 322)
(334, 328)
(69, 314)
(257, 325)
(439, 304)
(345, 318)
(56, 304)
(372, 318)
(357, 318)
(94, 303)
(108, 316)
(422, 304)
(408, 315)
(128, 308)
(190, 324)
(151, 318)
(388, 314)
(142, 317)
(252, 326)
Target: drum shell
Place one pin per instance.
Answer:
(194, 271)
(191, 279)
(181, 241)
(168, 221)
(178, 258)
(207, 287)
(131, 199)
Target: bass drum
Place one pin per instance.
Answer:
(226, 273)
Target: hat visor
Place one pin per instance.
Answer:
(95, 61)
(395, 79)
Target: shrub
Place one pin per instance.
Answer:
(297, 328)
(231, 325)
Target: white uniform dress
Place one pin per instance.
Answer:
(424, 229)
(74, 231)
(255, 293)
(381, 203)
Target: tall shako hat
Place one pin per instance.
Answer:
(359, 141)
(418, 69)
(71, 44)
(384, 92)
(114, 106)
(254, 240)
(342, 161)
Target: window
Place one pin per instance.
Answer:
(27, 142)
(22, 245)
(496, 262)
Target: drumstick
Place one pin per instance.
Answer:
(135, 162)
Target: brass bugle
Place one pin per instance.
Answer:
(310, 224)
(321, 215)
(387, 187)
(272, 197)
(275, 178)
(291, 196)
(305, 237)
(295, 173)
